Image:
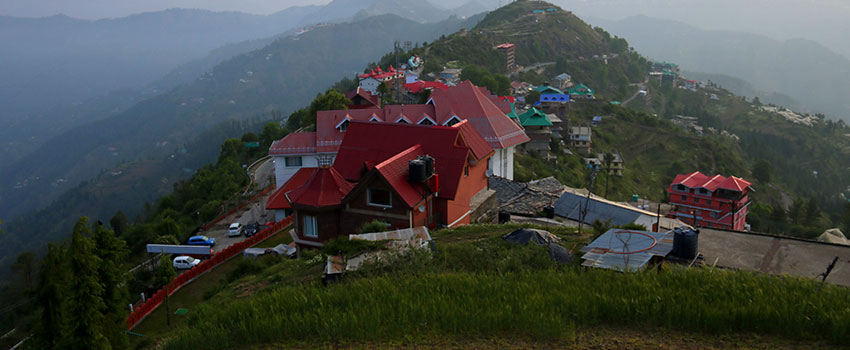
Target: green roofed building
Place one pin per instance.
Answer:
(534, 117)
(537, 126)
(548, 89)
(581, 91)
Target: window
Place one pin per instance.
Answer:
(310, 227)
(708, 201)
(680, 187)
(684, 197)
(454, 120)
(466, 171)
(403, 121)
(293, 161)
(379, 197)
(703, 191)
(344, 126)
(696, 200)
(426, 121)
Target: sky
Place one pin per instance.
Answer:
(96, 9)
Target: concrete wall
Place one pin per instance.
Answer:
(282, 173)
(502, 162)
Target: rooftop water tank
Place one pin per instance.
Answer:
(685, 243)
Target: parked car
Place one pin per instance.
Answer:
(201, 240)
(252, 229)
(235, 230)
(185, 262)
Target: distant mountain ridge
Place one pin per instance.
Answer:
(808, 72)
(281, 76)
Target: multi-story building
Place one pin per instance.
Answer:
(446, 107)
(508, 50)
(374, 179)
(580, 138)
(716, 202)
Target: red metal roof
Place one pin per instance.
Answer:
(505, 46)
(470, 102)
(381, 75)
(474, 141)
(294, 143)
(700, 180)
(377, 142)
(419, 85)
(396, 171)
(278, 199)
(325, 187)
(374, 100)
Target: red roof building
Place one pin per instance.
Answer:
(360, 99)
(716, 201)
(371, 181)
(485, 113)
(419, 86)
(371, 80)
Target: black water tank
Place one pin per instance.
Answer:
(504, 217)
(429, 165)
(685, 243)
(417, 171)
(549, 211)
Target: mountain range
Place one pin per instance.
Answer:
(811, 74)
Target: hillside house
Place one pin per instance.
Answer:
(581, 92)
(361, 98)
(616, 167)
(716, 202)
(580, 138)
(373, 181)
(537, 126)
(562, 81)
(370, 81)
(547, 90)
(450, 75)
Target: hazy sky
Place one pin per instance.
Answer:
(94, 9)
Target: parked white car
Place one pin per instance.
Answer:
(185, 262)
(235, 230)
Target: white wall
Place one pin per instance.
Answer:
(502, 162)
(282, 173)
(370, 84)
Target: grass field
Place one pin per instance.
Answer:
(477, 291)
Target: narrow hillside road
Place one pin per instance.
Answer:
(641, 87)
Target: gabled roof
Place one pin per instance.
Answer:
(395, 171)
(479, 147)
(294, 143)
(278, 199)
(548, 89)
(562, 76)
(419, 85)
(699, 180)
(374, 100)
(446, 144)
(534, 117)
(324, 188)
(470, 102)
(580, 89)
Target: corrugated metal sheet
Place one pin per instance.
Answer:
(626, 250)
(570, 204)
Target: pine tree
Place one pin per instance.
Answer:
(52, 280)
(795, 213)
(812, 212)
(85, 306)
(165, 272)
(112, 252)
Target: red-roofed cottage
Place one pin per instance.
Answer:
(486, 114)
(717, 201)
(381, 185)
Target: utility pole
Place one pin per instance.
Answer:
(583, 211)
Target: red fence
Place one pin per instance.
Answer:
(243, 205)
(153, 302)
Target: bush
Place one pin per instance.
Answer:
(347, 247)
(372, 226)
(246, 266)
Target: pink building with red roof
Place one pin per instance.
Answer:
(485, 112)
(372, 181)
(716, 201)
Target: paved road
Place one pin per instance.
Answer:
(641, 86)
(254, 212)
